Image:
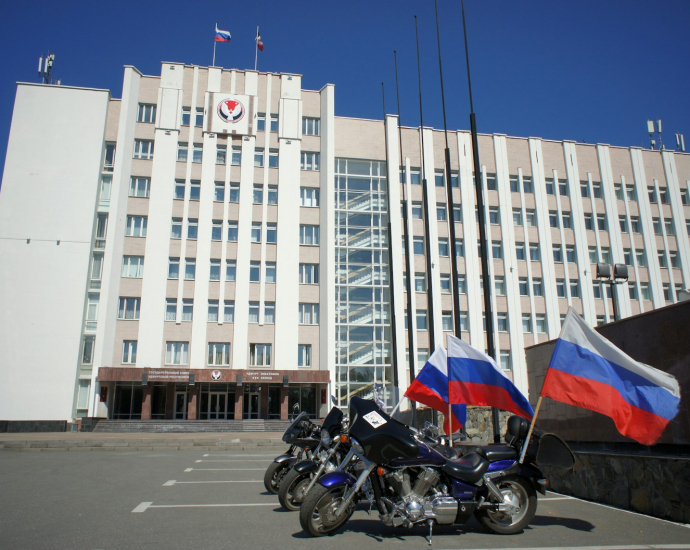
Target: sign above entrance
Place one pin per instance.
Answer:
(168, 375)
(253, 376)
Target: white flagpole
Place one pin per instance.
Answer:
(256, 48)
(214, 48)
(529, 433)
(450, 416)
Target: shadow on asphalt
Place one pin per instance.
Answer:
(568, 523)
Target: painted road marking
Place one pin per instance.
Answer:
(617, 547)
(172, 482)
(146, 505)
(231, 460)
(223, 470)
(237, 455)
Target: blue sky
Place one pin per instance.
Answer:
(586, 70)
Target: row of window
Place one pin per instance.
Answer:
(308, 312)
(309, 235)
(308, 273)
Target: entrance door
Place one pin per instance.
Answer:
(254, 400)
(181, 405)
(217, 406)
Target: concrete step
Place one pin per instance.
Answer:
(190, 426)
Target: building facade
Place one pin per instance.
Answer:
(217, 244)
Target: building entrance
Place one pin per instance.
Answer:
(180, 405)
(217, 406)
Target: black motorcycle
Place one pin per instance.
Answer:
(300, 435)
(303, 475)
(411, 483)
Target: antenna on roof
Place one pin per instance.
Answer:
(45, 66)
(680, 143)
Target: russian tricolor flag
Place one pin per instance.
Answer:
(430, 387)
(476, 379)
(222, 36)
(586, 370)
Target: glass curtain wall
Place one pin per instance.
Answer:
(363, 316)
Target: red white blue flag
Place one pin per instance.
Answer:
(222, 36)
(586, 370)
(476, 379)
(430, 387)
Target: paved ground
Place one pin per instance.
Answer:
(216, 500)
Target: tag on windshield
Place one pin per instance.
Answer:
(375, 419)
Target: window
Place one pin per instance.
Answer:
(260, 122)
(656, 223)
(272, 196)
(443, 247)
(310, 161)
(186, 116)
(601, 222)
(589, 221)
(218, 354)
(663, 195)
(570, 254)
(253, 312)
(526, 322)
(505, 359)
(644, 290)
(635, 224)
(271, 233)
(229, 311)
(596, 290)
(309, 274)
(256, 232)
(143, 149)
(596, 189)
(502, 322)
(182, 151)
(236, 159)
(584, 188)
(537, 287)
(500, 286)
(549, 186)
(270, 272)
(422, 319)
(606, 254)
(527, 186)
(439, 179)
(540, 319)
(623, 222)
(553, 218)
(178, 192)
(173, 268)
(199, 119)
(176, 353)
(652, 194)
(254, 272)
(170, 309)
(189, 269)
(304, 355)
(136, 226)
(632, 290)
(497, 250)
(309, 235)
(212, 311)
(491, 182)
(662, 259)
(260, 355)
(214, 270)
(133, 266)
(418, 246)
(194, 190)
(517, 216)
(530, 218)
(673, 258)
(218, 191)
(273, 158)
(197, 152)
(311, 126)
(128, 308)
(575, 289)
(563, 188)
(630, 192)
(187, 309)
(524, 286)
(493, 215)
(441, 213)
(415, 176)
(445, 283)
(641, 258)
(459, 248)
(146, 113)
(601, 320)
(420, 282)
(514, 183)
(417, 211)
(139, 187)
(447, 321)
(627, 256)
(269, 313)
(192, 228)
(221, 154)
(230, 270)
(534, 252)
(685, 196)
(520, 250)
(216, 230)
(309, 197)
(565, 219)
(232, 231)
(557, 253)
(668, 225)
(462, 289)
(309, 314)
(258, 158)
(129, 352)
(618, 188)
(234, 193)
(666, 287)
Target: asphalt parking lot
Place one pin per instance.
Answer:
(216, 500)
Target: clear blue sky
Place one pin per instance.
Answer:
(587, 70)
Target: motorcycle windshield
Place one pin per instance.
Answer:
(295, 430)
(383, 438)
(333, 421)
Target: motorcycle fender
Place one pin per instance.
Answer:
(285, 458)
(337, 479)
(533, 474)
(306, 467)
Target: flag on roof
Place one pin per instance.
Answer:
(222, 36)
(259, 42)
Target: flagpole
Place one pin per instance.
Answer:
(256, 48)
(529, 433)
(214, 48)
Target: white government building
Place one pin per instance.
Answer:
(214, 245)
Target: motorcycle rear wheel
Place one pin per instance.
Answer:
(292, 487)
(274, 475)
(317, 515)
(522, 494)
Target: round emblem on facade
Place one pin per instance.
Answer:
(215, 375)
(230, 110)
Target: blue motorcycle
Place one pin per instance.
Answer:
(412, 483)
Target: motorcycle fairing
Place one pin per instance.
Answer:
(306, 466)
(337, 479)
(500, 465)
(427, 456)
(284, 458)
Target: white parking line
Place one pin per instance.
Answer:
(238, 455)
(146, 505)
(224, 470)
(617, 547)
(231, 460)
(172, 482)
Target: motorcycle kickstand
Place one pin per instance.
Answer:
(431, 531)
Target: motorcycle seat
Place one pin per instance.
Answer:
(494, 453)
(470, 467)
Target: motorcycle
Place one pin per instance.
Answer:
(300, 437)
(327, 457)
(411, 483)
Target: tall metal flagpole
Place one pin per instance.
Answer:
(214, 48)
(483, 245)
(256, 48)
(406, 234)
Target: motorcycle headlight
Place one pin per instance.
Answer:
(325, 437)
(357, 445)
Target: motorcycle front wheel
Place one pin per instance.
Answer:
(520, 494)
(318, 514)
(274, 475)
(292, 490)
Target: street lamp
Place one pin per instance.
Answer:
(619, 276)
